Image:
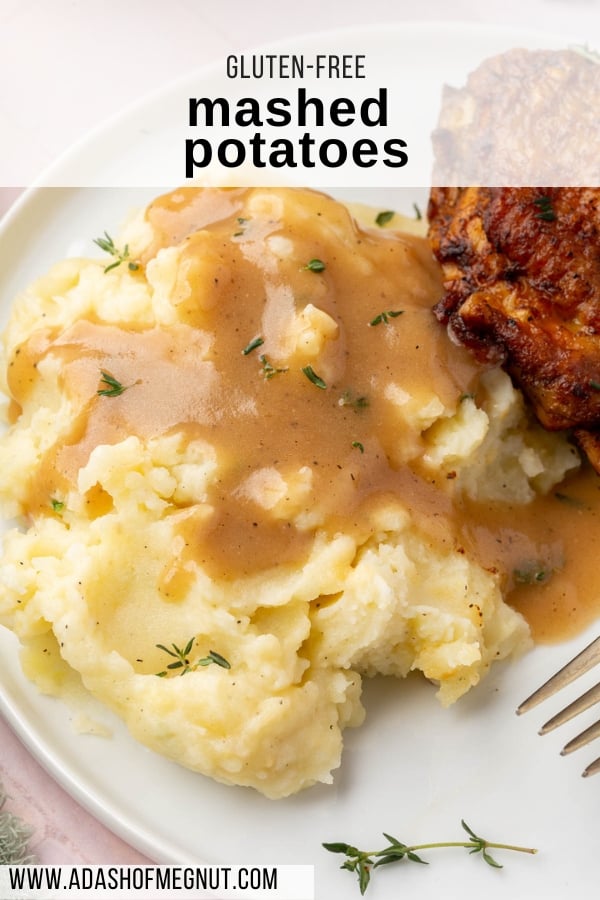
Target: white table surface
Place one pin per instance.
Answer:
(65, 65)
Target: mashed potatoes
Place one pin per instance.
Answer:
(246, 460)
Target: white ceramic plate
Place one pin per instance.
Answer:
(413, 770)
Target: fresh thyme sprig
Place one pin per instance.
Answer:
(113, 387)
(364, 862)
(386, 316)
(107, 244)
(183, 663)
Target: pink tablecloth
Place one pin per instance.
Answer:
(63, 832)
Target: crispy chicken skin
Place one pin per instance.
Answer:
(521, 270)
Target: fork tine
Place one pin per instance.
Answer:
(582, 739)
(592, 769)
(573, 709)
(581, 663)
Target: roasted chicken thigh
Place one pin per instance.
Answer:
(521, 271)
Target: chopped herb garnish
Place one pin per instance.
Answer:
(568, 500)
(358, 446)
(384, 217)
(256, 342)
(268, 370)
(386, 316)
(595, 385)
(364, 862)
(348, 398)
(57, 505)
(418, 213)
(546, 210)
(182, 662)
(107, 244)
(241, 221)
(315, 265)
(314, 378)
(531, 573)
(113, 387)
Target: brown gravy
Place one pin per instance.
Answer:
(260, 409)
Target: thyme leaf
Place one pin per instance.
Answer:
(546, 210)
(256, 342)
(384, 217)
(314, 378)
(315, 265)
(216, 658)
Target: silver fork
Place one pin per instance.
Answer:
(583, 662)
